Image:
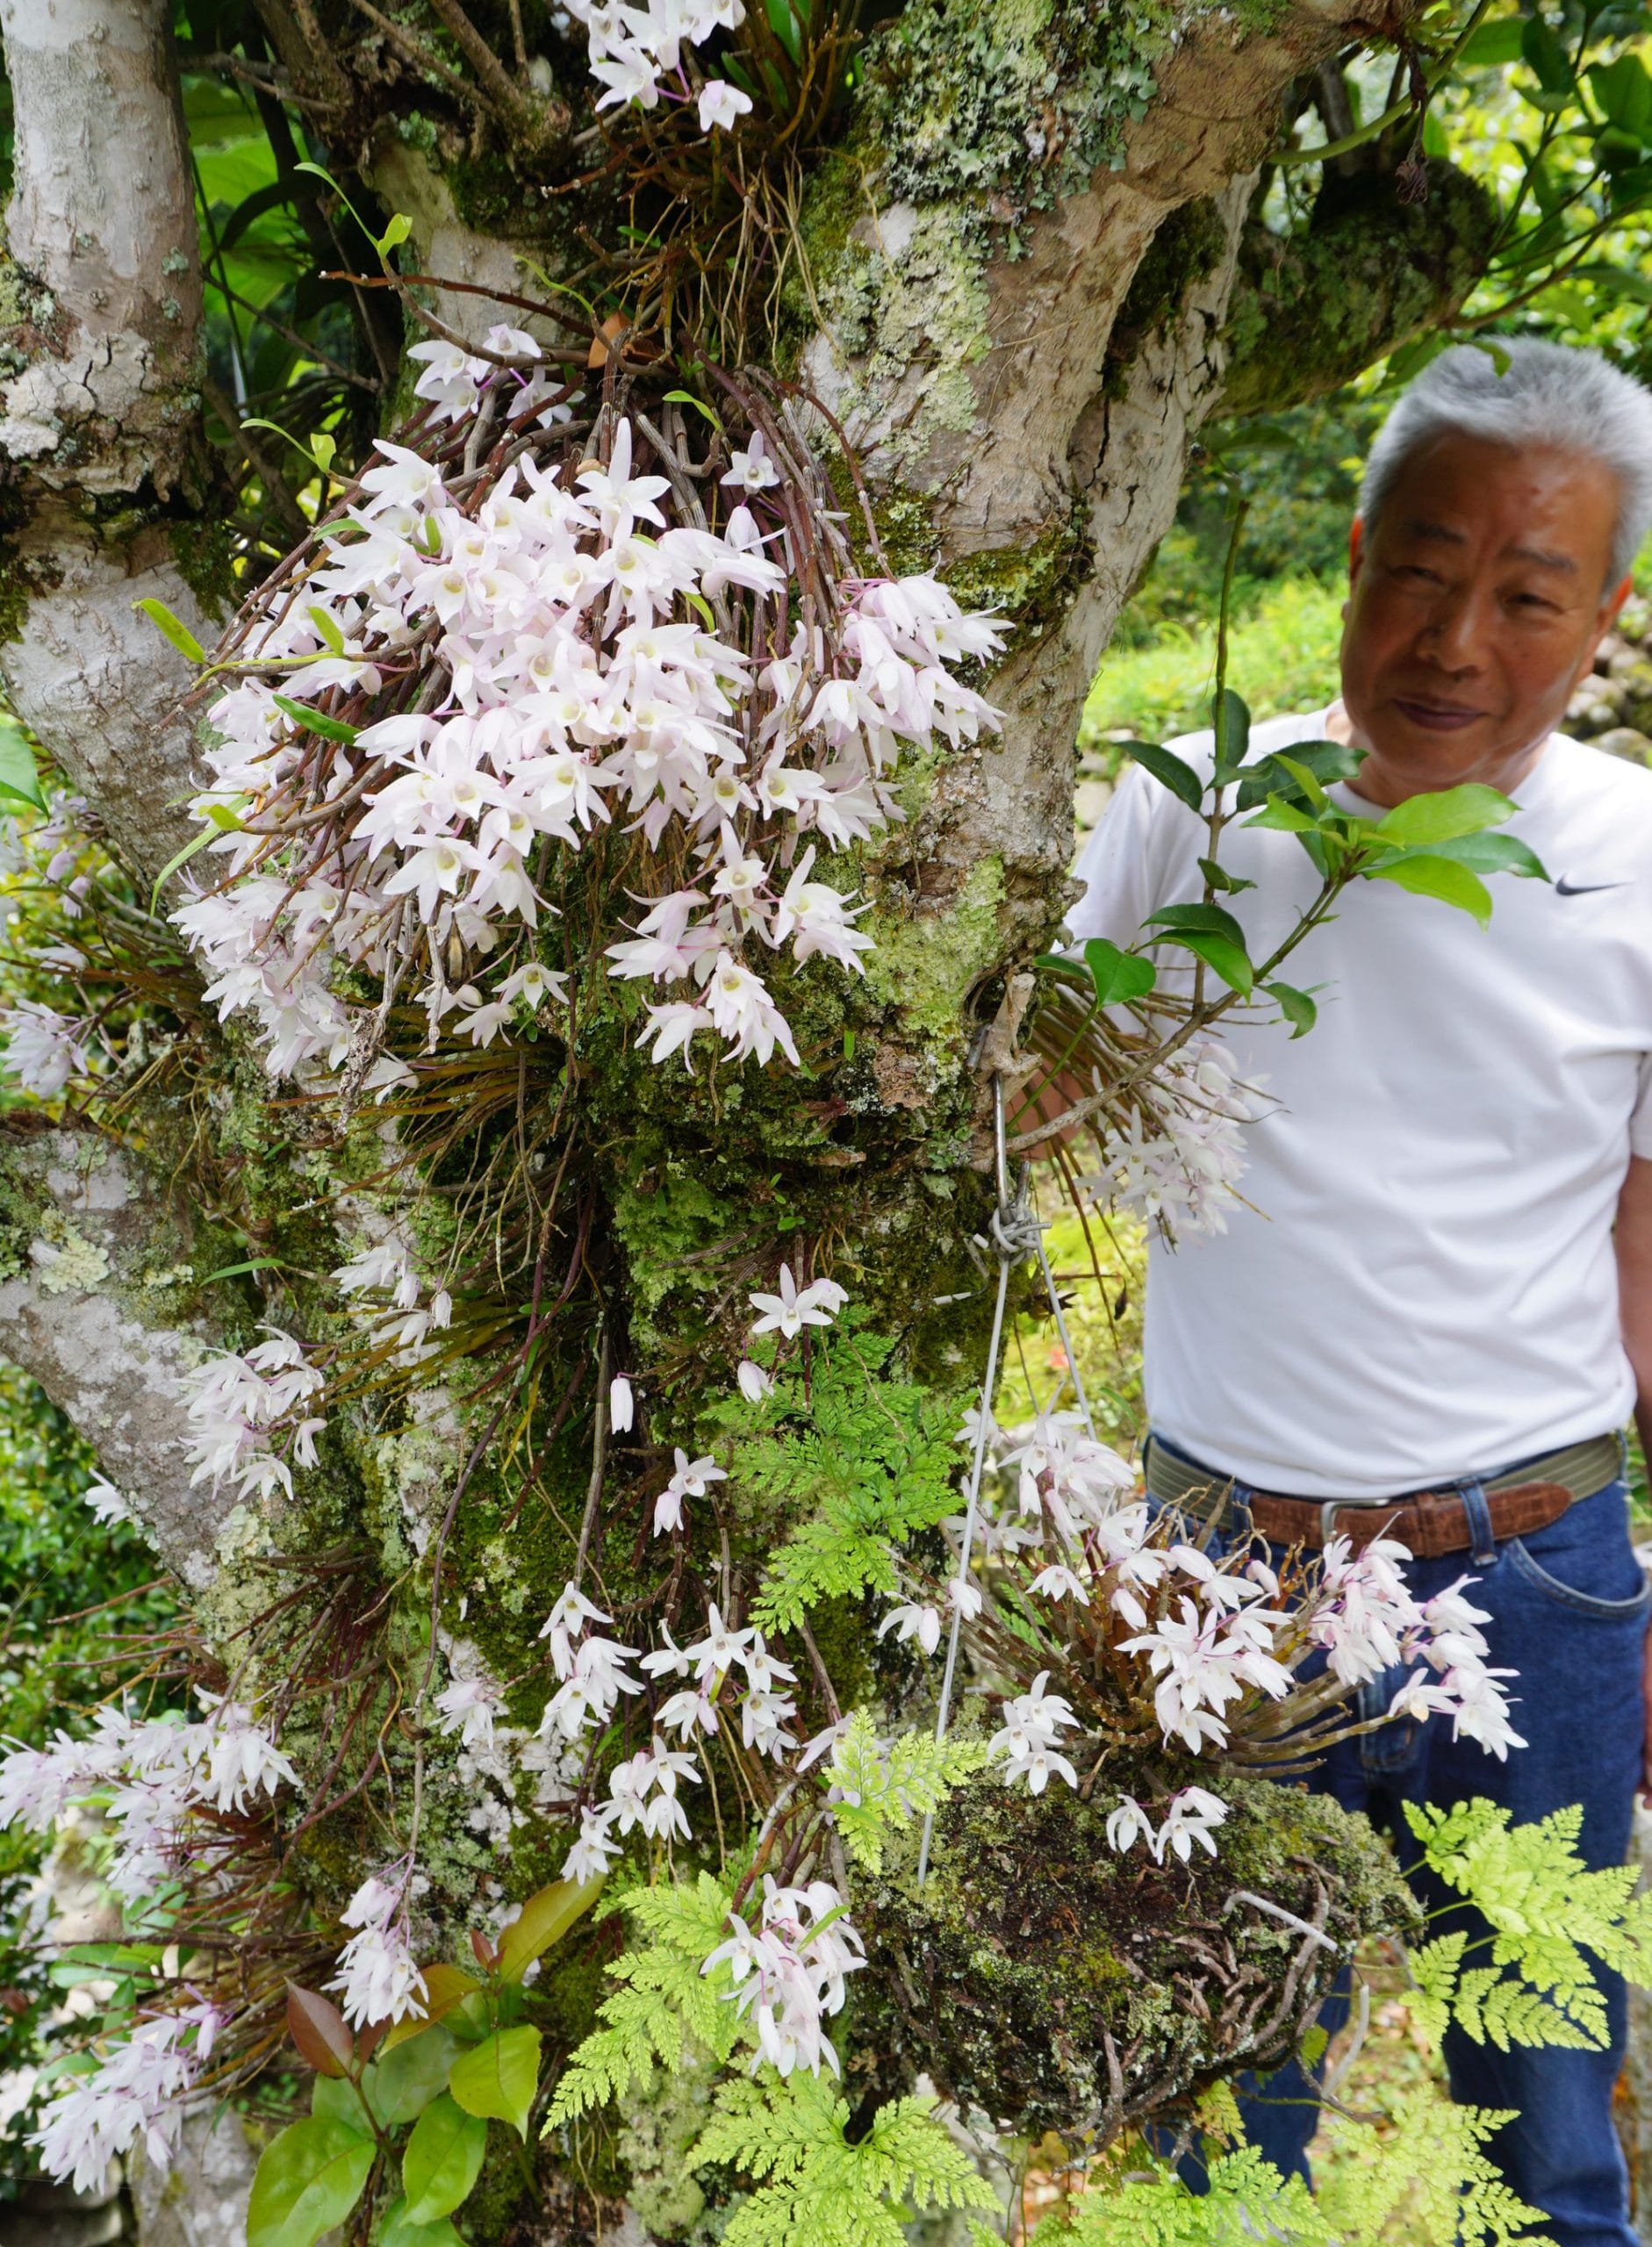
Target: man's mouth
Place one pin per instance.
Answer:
(1434, 716)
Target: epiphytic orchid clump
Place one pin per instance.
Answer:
(524, 630)
(1140, 1645)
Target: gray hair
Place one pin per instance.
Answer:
(1546, 394)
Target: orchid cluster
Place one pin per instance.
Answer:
(528, 659)
(160, 1786)
(45, 1049)
(596, 1672)
(241, 1405)
(398, 1319)
(632, 49)
(1228, 1656)
(154, 1780)
(789, 1972)
(378, 1976)
(137, 2094)
(1177, 1161)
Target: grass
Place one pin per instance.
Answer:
(1282, 656)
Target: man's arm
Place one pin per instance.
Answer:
(1634, 1298)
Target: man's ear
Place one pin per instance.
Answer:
(1606, 618)
(1356, 552)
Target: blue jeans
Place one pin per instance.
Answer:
(1569, 1607)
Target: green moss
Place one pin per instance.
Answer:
(203, 550)
(21, 584)
(1310, 311)
(1034, 1946)
(925, 964)
(1190, 243)
(1031, 587)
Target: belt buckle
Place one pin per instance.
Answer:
(1328, 1520)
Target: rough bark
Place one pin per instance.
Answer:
(101, 302)
(87, 1311)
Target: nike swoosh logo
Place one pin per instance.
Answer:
(1585, 888)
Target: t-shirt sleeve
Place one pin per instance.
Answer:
(1640, 1116)
(1116, 864)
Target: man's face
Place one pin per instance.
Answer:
(1475, 606)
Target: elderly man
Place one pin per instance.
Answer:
(1443, 1281)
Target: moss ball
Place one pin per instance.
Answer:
(1044, 1979)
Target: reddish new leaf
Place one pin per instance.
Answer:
(319, 2031)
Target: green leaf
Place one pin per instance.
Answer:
(1496, 854)
(1428, 875)
(173, 627)
(252, 1264)
(500, 2077)
(1118, 975)
(1490, 47)
(785, 27)
(1212, 920)
(687, 398)
(442, 2161)
(1168, 770)
(398, 2228)
(1219, 878)
(1231, 717)
(180, 858)
(1545, 58)
(1296, 1007)
(333, 2098)
(1624, 91)
(543, 1920)
(1326, 760)
(1306, 778)
(314, 720)
(327, 627)
(1277, 812)
(397, 230)
(18, 775)
(401, 2084)
(1230, 961)
(308, 2180)
(1441, 815)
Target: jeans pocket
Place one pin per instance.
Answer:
(1585, 1561)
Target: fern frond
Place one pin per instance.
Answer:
(817, 2190)
(880, 1787)
(1545, 1911)
(1430, 2164)
(1247, 2199)
(864, 1459)
(1434, 1969)
(664, 1999)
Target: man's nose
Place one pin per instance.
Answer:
(1457, 632)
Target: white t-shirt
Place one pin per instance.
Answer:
(1425, 1287)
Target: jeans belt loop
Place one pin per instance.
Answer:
(1328, 1520)
(1481, 1537)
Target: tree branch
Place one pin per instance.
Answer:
(1310, 311)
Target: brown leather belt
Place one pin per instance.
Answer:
(1431, 1524)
